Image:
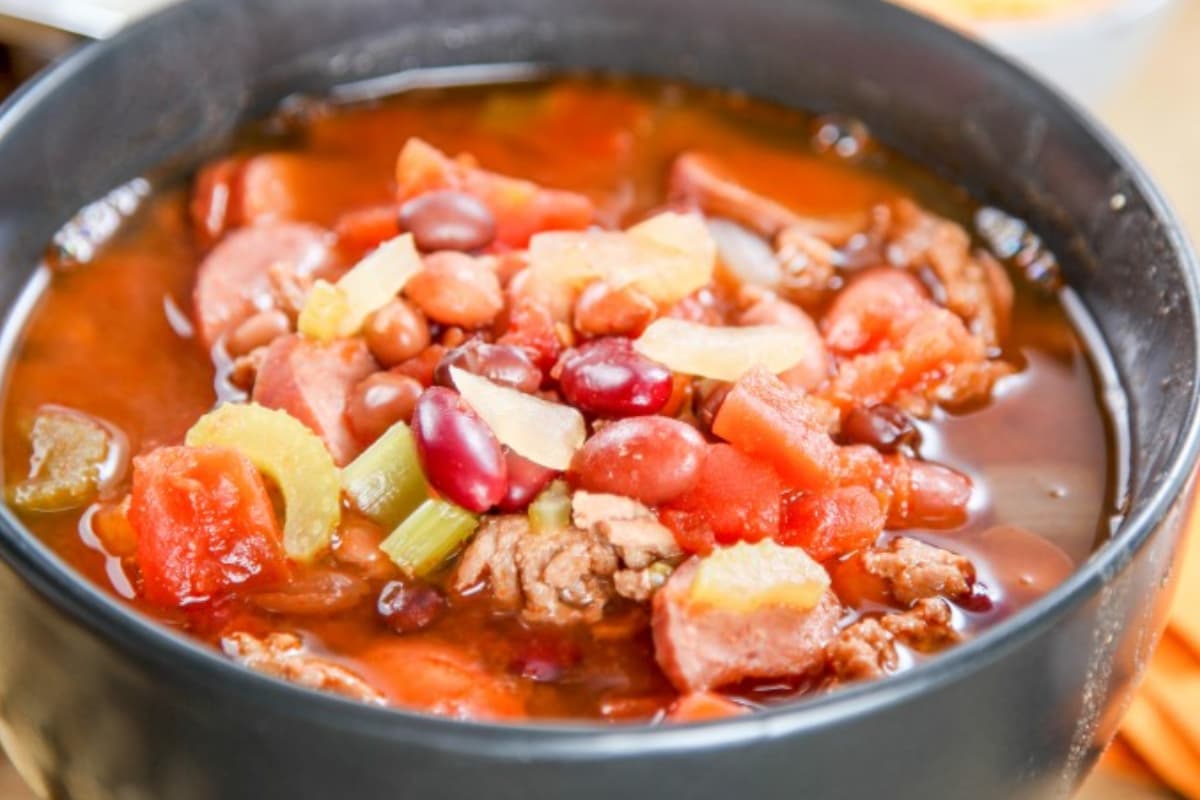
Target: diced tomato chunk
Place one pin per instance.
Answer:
(868, 310)
(204, 524)
(832, 523)
(362, 230)
(521, 208)
(704, 707)
(737, 498)
(764, 418)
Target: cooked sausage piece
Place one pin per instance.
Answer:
(312, 382)
(701, 647)
(243, 274)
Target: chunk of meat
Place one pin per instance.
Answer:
(249, 270)
(646, 548)
(312, 382)
(867, 649)
(559, 577)
(442, 678)
(907, 570)
(698, 180)
(974, 285)
(807, 264)
(701, 647)
(521, 208)
(283, 655)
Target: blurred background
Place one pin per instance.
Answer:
(1133, 63)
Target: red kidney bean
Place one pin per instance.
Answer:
(396, 333)
(458, 451)
(882, 426)
(608, 378)
(545, 657)
(651, 459)
(380, 401)
(408, 607)
(504, 364)
(525, 480)
(448, 220)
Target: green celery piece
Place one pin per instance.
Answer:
(429, 536)
(551, 509)
(385, 482)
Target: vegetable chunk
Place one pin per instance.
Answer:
(69, 450)
(204, 525)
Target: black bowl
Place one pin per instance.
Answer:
(97, 702)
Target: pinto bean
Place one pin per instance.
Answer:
(396, 333)
(454, 289)
(380, 401)
(604, 310)
(257, 331)
(649, 459)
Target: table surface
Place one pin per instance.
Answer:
(1164, 132)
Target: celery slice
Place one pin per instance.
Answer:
(385, 482)
(429, 536)
(338, 310)
(292, 456)
(551, 509)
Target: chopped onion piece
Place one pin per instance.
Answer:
(722, 353)
(748, 576)
(667, 257)
(333, 311)
(745, 255)
(551, 509)
(546, 433)
(292, 456)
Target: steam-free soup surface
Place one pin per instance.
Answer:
(1012, 484)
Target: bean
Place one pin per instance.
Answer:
(408, 607)
(396, 333)
(651, 459)
(257, 331)
(421, 367)
(357, 545)
(882, 426)
(603, 310)
(504, 364)
(458, 451)
(314, 593)
(938, 496)
(525, 480)
(380, 401)
(448, 220)
(455, 290)
(608, 378)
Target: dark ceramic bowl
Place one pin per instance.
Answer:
(96, 702)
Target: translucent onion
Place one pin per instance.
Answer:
(723, 353)
(292, 456)
(333, 311)
(745, 577)
(667, 257)
(545, 433)
(747, 256)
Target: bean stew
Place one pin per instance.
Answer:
(591, 398)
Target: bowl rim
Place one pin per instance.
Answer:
(115, 623)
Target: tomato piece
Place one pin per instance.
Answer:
(362, 230)
(833, 523)
(704, 707)
(521, 208)
(736, 498)
(204, 524)
(868, 311)
(764, 418)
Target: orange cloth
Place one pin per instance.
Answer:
(1163, 724)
